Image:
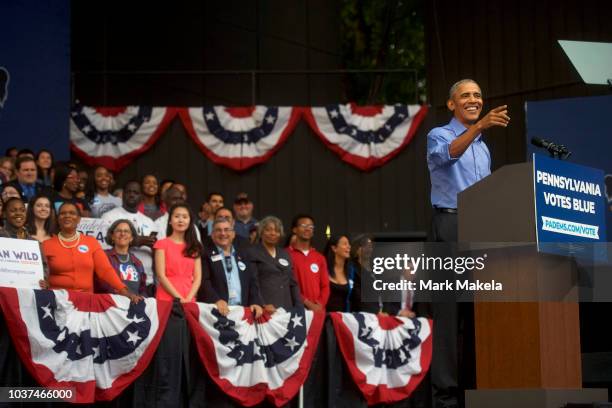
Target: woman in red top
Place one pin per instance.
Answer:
(74, 258)
(177, 258)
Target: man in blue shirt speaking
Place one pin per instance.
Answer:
(457, 156)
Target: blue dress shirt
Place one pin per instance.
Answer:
(29, 191)
(232, 276)
(450, 176)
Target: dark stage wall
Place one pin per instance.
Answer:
(511, 50)
(266, 35)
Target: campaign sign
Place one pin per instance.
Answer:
(21, 264)
(570, 208)
(94, 227)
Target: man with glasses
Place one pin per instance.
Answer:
(227, 214)
(309, 266)
(229, 276)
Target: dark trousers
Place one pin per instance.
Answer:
(453, 331)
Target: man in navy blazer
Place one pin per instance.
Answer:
(229, 277)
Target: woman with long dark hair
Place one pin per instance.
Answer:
(177, 258)
(341, 273)
(151, 205)
(41, 221)
(98, 194)
(66, 186)
(44, 162)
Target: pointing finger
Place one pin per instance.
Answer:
(500, 108)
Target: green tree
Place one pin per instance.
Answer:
(383, 34)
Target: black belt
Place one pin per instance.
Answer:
(446, 210)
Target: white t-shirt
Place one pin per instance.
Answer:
(103, 204)
(144, 226)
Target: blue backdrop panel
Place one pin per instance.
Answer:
(583, 125)
(35, 95)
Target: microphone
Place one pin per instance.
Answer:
(555, 150)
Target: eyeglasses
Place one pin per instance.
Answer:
(307, 226)
(122, 231)
(224, 230)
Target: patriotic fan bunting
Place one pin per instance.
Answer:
(113, 137)
(366, 137)
(239, 138)
(387, 356)
(97, 344)
(251, 360)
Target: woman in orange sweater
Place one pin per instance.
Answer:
(73, 258)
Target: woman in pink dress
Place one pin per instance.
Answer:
(177, 258)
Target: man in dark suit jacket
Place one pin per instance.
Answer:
(229, 276)
(240, 243)
(27, 174)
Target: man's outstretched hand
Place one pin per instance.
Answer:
(496, 117)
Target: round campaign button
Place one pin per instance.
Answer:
(83, 249)
(314, 267)
(283, 262)
(241, 265)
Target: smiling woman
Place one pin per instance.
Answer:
(14, 219)
(177, 258)
(74, 258)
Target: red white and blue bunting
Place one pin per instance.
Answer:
(251, 360)
(387, 356)
(113, 137)
(240, 138)
(366, 136)
(95, 344)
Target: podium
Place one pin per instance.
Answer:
(527, 353)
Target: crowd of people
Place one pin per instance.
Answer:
(159, 246)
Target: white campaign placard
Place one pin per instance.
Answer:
(21, 264)
(94, 227)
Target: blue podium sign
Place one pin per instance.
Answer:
(570, 207)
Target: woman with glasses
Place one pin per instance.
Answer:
(66, 185)
(41, 221)
(277, 285)
(129, 269)
(177, 258)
